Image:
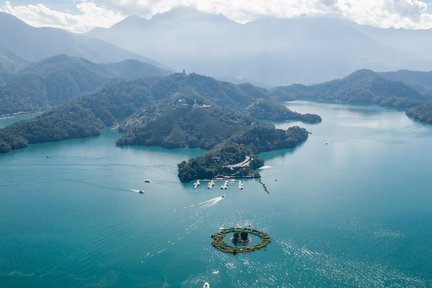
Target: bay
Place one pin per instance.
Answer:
(351, 207)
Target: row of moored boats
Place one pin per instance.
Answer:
(211, 184)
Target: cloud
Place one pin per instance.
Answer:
(88, 16)
(386, 13)
(238, 10)
(379, 13)
(104, 13)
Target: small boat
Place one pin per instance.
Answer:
(240, 185)
(326, 143)
(206, 285)
(197, 183)
(147, 180)
(223, 196)
(210, 184)
(141, 192)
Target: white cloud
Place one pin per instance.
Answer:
(89, 16)
(104, 13)
(238, 10)
(386, 13)
(380, 13)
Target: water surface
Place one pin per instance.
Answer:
(355, 212)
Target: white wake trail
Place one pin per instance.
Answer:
(211, 202)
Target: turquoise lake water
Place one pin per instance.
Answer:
(356, 212)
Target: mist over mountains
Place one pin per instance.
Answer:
(21, 44)
(269, 51)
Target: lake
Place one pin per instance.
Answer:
(351, 207)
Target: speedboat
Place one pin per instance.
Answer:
(147, 180)
(223, 196)
(141, 192)
(206, 285)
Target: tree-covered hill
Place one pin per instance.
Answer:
(185, 126)
(361, 87)
(61, 78)
(175, 111)
(221, 160)
(421, 113)
(149, 109)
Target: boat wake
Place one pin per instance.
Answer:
(211, 202)
(265, 167)
(136, 190)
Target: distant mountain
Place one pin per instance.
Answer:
(58, 79)
(266, 51)
(360, 87)
(413, 41)
(421, 81)
(34, 44)
(10, 62)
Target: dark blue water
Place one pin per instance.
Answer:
(355, 212)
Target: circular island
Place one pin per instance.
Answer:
(240, 237)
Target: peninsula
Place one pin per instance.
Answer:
(180, 110)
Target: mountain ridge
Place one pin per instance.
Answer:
(58, 79)
(270, 51)
(360, 87)
(17, 36)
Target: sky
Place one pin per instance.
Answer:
(84, 15)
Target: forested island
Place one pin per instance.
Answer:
(180, 110)
(238, 156)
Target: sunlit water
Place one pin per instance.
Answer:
(355, 212)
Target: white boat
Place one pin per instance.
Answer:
(196, 184)
(206, 285)
(240, 185)
(210, 184)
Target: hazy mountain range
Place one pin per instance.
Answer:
(269, 51)
(21, 44)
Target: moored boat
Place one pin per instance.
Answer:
(197, 183)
